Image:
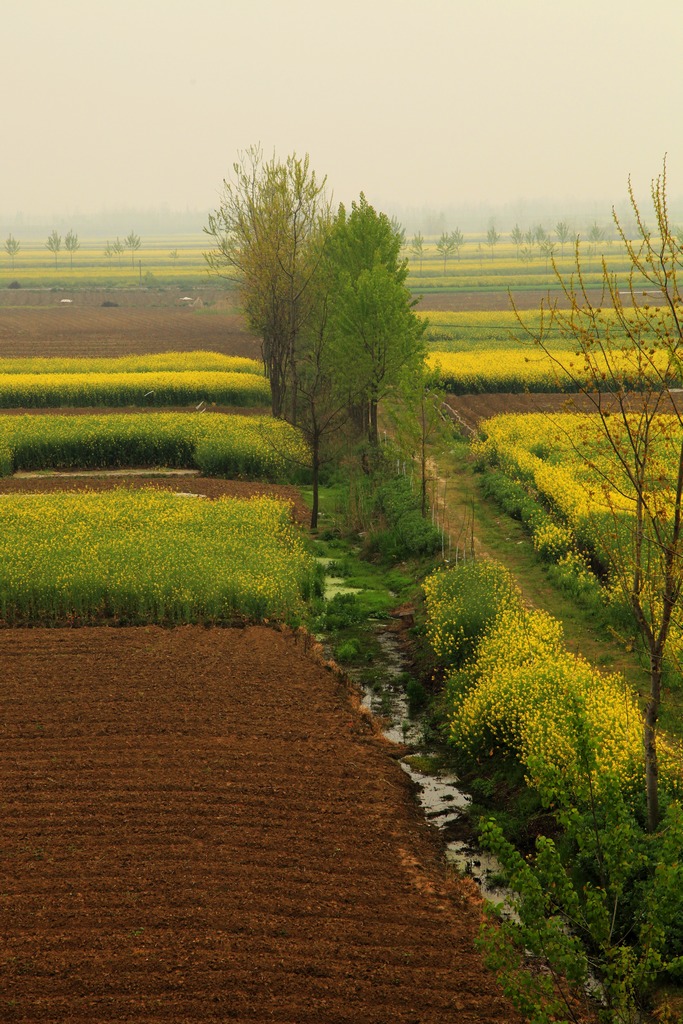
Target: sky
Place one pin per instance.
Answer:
(431, 105)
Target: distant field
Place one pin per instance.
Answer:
(179, 260)
(474, 330)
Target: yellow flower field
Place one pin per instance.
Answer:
(161, 362)
(149, 556)
(517, 370)
(220, 445)
(521, 692)
(176, 387)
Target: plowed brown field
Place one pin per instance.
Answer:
(199, 825)
(87, 329)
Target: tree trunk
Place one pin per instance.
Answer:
(315, 466)
(373, 434)
(650, 742)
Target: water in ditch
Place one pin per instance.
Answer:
(442, 800)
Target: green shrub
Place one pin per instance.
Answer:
(347, 651)
(343, 611)
(511, 496)
(417, 695)
(403, 531)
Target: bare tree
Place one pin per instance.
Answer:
(132, 242)
(563, 234)
(639, 339)
(267, 234)
(71, 244)
(445, 246)
(118, 249)
(492, 239)
(458, 240)
(548, 249)
(12, 247)
(54, 244)
(517, 236)
(417, 248)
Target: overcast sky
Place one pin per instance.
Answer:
(437, 103)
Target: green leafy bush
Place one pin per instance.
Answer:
(402, 531)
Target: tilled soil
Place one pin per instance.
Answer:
(200, 825)
(88, 330)
(470, 410)
(525, 298)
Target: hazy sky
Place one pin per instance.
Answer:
(144, 103)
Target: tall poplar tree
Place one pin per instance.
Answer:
(376, 335)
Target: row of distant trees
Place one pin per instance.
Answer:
(527, 243)
(131, 243)
(533, 241)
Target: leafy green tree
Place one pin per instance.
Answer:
(324, 406)
(12, 248)
(132, 242)
(268, 235)
(607, 897)
(54, 244)
(417, 247)
(376, 335)
(72, 245)
(399, 229)
(445, 246)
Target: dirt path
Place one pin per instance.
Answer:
(198, 825)
(478, 526)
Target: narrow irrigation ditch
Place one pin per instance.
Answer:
(384, 694)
